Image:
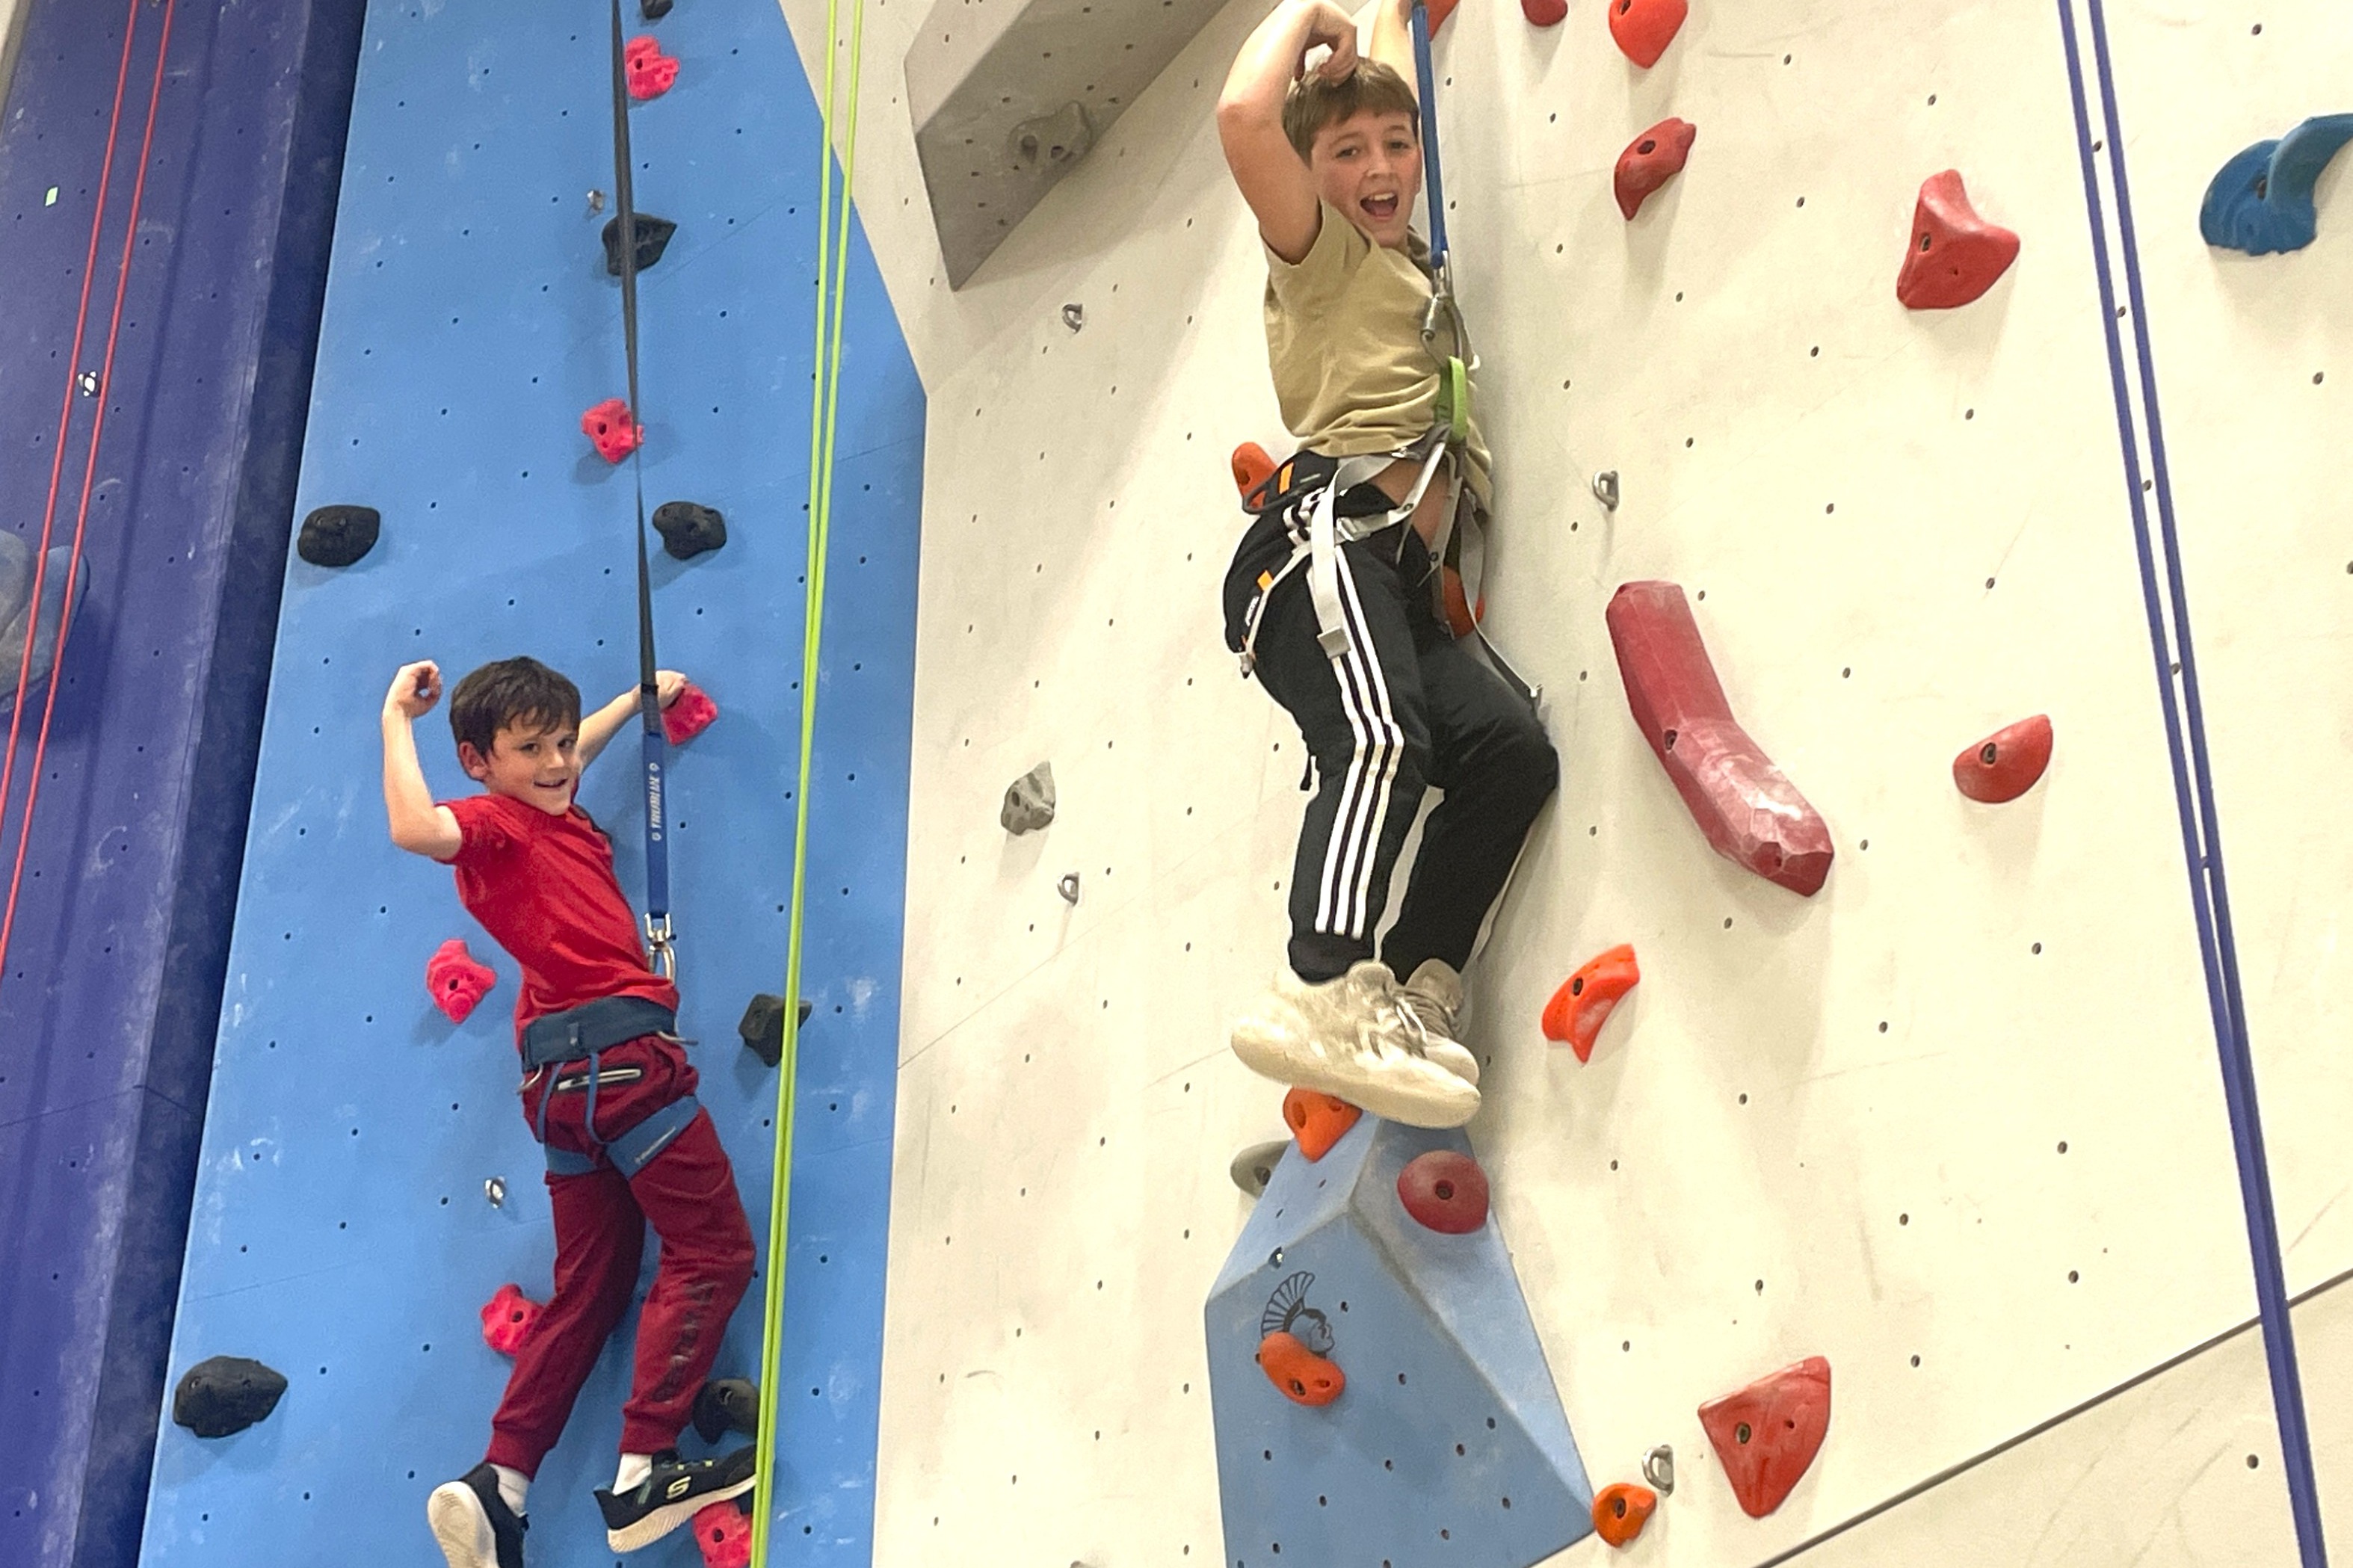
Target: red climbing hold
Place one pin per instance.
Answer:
(1747, 808)
(1650, 160)
(1956, 255)
(1251, 466)
(1317, 1121)
(651, 72)
(609, 426)
(725, 1534)
(458, 979)
(508, 1318)
(1644, 28)
(688, 715)
(2006, 763)
(1545, 13)
(1439, 11)
(1304, 1377)
(1445, 1191)
(1621, 1510)
(1461, 618)
(1767, 1434)
(1583, 1003)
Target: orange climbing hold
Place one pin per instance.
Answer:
(1767, 1434)
(1461, 619)
(1644, 28)
(2006, 763)
(1954, 255)
(1302, 1376)
(1252, 466)
(1317, 1121)
(1621, 1510)
(1583, 1003)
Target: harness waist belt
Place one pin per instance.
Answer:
(579, 1032)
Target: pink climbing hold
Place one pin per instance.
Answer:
(1643, 28)
(649, 71)
(1650, 160)
(2006, 763)
(457, 980)
(1751, 813)
(1545, 13)
(725, 1534)
(508, 1318)
(1766, 1434)
(1954, 255)
(688, 715)
(616, 434)
(1444, 1191)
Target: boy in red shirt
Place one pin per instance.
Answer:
(606, 1089)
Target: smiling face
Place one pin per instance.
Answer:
(1369, 166)
(538, 764)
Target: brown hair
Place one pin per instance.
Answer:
(511, 692)
(1314, 102)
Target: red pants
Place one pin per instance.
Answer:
(687, 1193)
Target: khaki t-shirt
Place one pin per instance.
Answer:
(1343, 338)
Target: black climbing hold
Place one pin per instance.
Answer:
(727, 1405)
(653, 238)
(226, 1394)
(762, 1027)
(338, 535)
(653, 10)
(689, 530)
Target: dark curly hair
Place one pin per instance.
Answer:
(511, 692)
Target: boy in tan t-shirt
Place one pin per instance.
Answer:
(1335, 595)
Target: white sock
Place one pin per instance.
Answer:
(635, 1468)
(513, 1487)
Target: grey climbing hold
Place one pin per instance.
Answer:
(653, 238)
(1074, 315)
(1028, 801)
(689, 530)
(1052, 143)
(495, 1189)
(226, 1394)
(338, 535)
(18, 567)
(1253, 1167)
(595, 201)
(1605, 488)
(1069, 886)
(1659, 1469)
(763, 1027)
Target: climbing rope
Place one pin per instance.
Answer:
(90, 470)
(833, 229)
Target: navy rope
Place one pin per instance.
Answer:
(1432, 179)
(2193, 783)
(655, 743)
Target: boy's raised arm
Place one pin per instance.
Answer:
(598, 729)
(1273, 178)
(417, 824)
(1392, 42)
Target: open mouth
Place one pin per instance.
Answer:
(1380, 209)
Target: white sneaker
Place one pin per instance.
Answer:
(1434, 997)
(1352, 1037)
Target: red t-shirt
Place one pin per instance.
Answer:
(542, 886)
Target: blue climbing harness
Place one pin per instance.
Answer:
(584, 1034)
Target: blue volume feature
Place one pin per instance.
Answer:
(2261, 202)
(1449, 1443)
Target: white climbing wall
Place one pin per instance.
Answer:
(1957, 1122)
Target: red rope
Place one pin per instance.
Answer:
(90, 470)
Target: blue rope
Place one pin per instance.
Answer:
(1432, 180)
(2202, 840)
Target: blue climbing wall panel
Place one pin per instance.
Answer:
(1449, 1443)
(110, 990)
(341, 1230)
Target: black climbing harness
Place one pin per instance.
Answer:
(659, 952)
(584, 1034)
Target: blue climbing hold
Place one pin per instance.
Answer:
(1451, 1445)
(18, 566)
(2261, 201)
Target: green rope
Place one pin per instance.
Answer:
(824, 405)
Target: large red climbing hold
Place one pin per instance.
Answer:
(1747, 808)
(1304, 1377)
(1439, 11)
(508, 1318)
(1583, 1003)
(2006, 763)
(609, 425)
(1956, 255)
(1767, 1434)
(649, 72)
(1644, 28)
(1621, 1510)
(1317, 1121)
(1250, 466)
(1545, 13)
(1444, 1191)
(724, 1533)
(1650, 160)
(688, 715)
(457, 980)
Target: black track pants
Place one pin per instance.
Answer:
(1406, 708)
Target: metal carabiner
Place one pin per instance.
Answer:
(660, 956)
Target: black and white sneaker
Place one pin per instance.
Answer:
(673, 1494)
(472, 1522)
